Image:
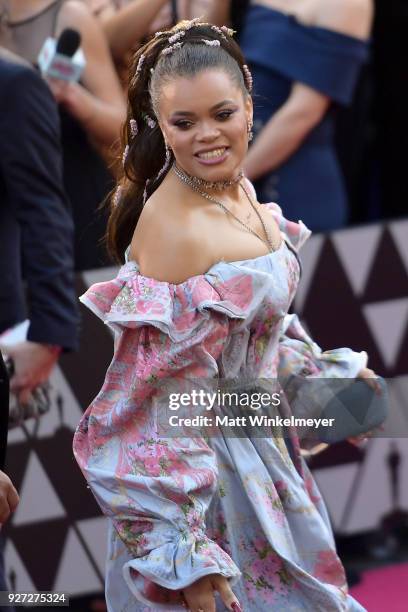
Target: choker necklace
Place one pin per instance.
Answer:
(203, 184)
(266, 240)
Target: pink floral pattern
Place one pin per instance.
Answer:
(180, 508)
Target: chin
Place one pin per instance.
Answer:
(216, 172)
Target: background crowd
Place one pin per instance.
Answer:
(320, 106)
(329, 134)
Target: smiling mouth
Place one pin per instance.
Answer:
(214, 154)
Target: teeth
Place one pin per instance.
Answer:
(212, 154)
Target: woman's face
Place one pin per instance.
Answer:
(205, 122)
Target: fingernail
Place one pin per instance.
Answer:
(236, 607)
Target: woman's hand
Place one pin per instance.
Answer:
(8, 497)
(98, 101)
(33, 364)
(371, 378)
(199, 596)
(73, 97)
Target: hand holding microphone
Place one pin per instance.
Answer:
(62, 59)
(62, 63)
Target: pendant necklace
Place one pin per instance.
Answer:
(188, 180)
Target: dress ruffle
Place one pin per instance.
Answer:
(132, 300)
(300, 355)
(159, 491)
(176, 565)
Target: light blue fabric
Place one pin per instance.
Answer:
(183, 507)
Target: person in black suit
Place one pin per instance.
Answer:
(36, 228)
(36, 244)
(8, 494)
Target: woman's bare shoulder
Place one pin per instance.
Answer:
(75, 10)
(168, 247)
(351, 17)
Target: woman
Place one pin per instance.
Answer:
(92, 111)
(305, 57)
(202, 298)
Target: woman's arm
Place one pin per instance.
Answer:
(350, 17)
(305, 107)
(219, 12)
(129, 25)
(286, 130)
(98, 103)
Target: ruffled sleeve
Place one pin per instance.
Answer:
(311, 378)
(155, 489)
(300, 355)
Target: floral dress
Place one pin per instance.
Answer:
(180, 508)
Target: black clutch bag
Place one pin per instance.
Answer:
(38, 405)
(347, 408)
(40, 401)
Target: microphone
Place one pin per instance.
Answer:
(62, 58)
(68, 43)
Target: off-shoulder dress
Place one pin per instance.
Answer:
(180, 508)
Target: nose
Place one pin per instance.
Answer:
(208, 131)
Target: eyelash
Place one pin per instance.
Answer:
(222, 116)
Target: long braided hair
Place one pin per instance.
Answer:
(185, 50)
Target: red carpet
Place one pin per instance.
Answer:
(384, 589)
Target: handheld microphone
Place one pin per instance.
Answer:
(68, 42)
(62, 58)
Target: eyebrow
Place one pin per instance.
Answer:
(213, 108)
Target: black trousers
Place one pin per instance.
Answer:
(4, 410)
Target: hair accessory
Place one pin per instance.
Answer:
(117, 196)
(187, 25)
(211, 43)
(168, 50)
(219, 31)
(133, 127)
(166, 163)
(125, 154)
(248, 78)
(227, 31)
(150, 122)
(140, 63)
(160, 34)
(173, 39)
(145, 191)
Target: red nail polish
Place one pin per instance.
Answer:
(236, 607)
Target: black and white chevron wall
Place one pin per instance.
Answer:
(354, 292)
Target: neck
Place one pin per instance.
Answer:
(215, 188)
(23, 10)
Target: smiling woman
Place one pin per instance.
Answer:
(199, 97)
(203, 296)
(205, 117)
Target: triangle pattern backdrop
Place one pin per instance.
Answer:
(354, 292)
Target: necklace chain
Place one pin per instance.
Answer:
(217, 185)
(187, 180)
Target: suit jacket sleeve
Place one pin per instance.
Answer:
(31, 163)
